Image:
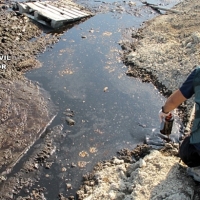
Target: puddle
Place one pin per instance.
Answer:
(83, 73)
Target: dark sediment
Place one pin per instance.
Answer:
(25, 113)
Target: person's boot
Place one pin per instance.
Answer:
(194, 172)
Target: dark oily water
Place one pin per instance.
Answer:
(86, 80)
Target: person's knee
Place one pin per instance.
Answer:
(188, 153)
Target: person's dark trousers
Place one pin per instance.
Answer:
(189, 154)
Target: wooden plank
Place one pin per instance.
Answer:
(50, 15)
(43, 12)
(56, 13)
(73, 7)
(40, 21)
(68, 14)
(61, 9)
(69, 4)
(56, 24)
(72, 10)
(22, 8)
(53, 10)
(161, 8)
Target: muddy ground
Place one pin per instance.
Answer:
(25, 108)
(163, 52)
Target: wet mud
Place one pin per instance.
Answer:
(43, 163)
(25, 175)
(26, 110)
(21, 40)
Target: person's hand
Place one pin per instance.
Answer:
(162, 115)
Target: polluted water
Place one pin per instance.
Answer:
(100, 110)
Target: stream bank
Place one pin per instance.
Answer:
(166, 50)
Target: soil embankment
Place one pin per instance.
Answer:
(25, 108)
(166, 49)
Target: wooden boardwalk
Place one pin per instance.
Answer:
(54, 14)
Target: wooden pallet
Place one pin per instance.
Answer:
(54, 14)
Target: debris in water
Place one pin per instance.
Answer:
(82, 163)
(107, 33)
(105, 89)
(63, 169)
(83, 154)
(69, 186)
(70, 121)
(73, 164)
(91, 30)
(66, 71)
(98, 131)
(93, 149)
(69, 114)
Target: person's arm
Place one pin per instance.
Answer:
(179, 96)
(174, 100)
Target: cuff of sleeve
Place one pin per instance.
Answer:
(164, 111)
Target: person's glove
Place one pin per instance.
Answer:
(162, 115)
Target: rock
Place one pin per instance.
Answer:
(73, 165)
(105, 89)
(122, 175)
(63, 169)
(69, 186)
(142, 163)
(132, 167)
(117, 161)
(131, 56)
(168, 145)
(36, 166)
(47, 165)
